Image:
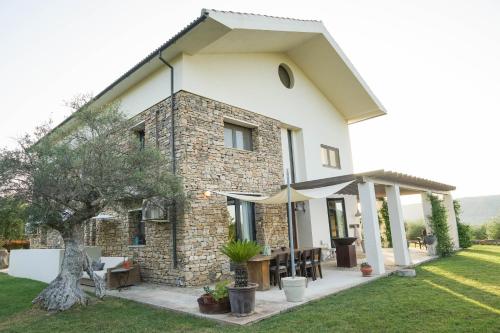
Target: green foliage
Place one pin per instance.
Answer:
(415, 229)
(439, 225)
(241, 251)
(12, 218)
(464, 230)
(94, 162)
(479, 232)
(232, 230)
(384, 218)
(219, 292)
(464, 235)
(493, 228)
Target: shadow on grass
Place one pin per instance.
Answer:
(487, 252)
(473, 291)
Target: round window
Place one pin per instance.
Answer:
(286, 76)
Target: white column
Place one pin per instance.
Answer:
(427, 208)
(371, 230)
(398, 233)
(452, 220)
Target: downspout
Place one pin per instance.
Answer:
(173, 212)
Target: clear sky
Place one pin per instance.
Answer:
(435, 65)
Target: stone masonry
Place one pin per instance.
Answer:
(203, 164)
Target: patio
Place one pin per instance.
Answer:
(267, 303)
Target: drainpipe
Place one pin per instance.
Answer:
(173, 212)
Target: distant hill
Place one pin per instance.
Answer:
(475, 210)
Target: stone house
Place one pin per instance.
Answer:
(251, 96)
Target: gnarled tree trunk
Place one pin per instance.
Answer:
(64, 292)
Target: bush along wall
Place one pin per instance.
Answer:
(384, 218)
(464, 230)
(439, 225)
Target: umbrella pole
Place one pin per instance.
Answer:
(290, 224)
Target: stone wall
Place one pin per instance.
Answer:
(204, 164)
(45, 238)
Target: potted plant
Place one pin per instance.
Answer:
(215, 301)
(241, 293)
(366, 269)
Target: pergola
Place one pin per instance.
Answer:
(380, 183)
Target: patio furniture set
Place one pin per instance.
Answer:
(262, 269)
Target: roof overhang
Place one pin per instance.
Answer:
(408, 184)
(305, 42)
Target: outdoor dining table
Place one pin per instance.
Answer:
(258, 268)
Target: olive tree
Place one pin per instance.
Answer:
(71, 174)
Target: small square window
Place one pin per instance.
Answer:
(238, 137)
(330, 157)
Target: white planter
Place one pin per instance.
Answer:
(294, 288)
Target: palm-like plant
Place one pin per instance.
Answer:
(239, 252)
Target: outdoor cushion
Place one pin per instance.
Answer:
(112, 262)
(102, 274)
(97, 265)
(274, 267)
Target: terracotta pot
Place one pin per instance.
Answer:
(126, 264)
(367, 271)
(208, 305)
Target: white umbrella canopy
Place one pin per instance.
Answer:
(282, 196)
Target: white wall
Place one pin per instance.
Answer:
(151, 90)
(36, 264)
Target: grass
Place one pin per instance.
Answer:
(456, 294)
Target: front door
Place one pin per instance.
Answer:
(337, 218)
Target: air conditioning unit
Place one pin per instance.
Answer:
(155, 209)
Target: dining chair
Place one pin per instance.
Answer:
(316, 262)
(279, 268)
(306, 262)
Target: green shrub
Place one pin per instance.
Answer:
(415, 229)
(464, 235)
(464, 230)
(493, 228)
(439, 225)
(219, 292)
(241, 251)
(479, 232)
(384, 218)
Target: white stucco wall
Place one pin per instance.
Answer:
(151, 90)
(36, 264)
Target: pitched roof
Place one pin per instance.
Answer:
(306, 42)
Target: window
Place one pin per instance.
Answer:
(330, 157)
(141, 136)
(242, 219)
(286, 76)
(237, 137)
(136, 227)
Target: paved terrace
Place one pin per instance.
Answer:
(267, 303)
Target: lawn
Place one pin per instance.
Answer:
(456, 294)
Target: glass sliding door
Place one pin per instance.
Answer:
(337, 218)
(242, 218)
